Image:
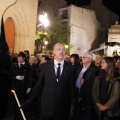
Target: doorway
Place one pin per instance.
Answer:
(10, 33)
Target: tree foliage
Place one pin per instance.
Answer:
(57, 31)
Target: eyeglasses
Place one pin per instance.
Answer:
(85, 57)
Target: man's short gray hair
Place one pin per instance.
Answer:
(90, 54)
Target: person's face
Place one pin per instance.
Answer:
(40, 57)
(43, 60)
(86, 59)
(118, 64)
(31, 61)
(20, 59)
(104, 65)
(98, 59)
(59, 52)
(72, 60)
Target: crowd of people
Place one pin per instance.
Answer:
(63, 87)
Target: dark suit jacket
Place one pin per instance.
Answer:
(25, 71)
(55, 96)
(89, 77)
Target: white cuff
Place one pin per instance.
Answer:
(28, 90)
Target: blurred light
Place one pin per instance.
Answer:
(44, 20)
(46, 42)
(66, 46)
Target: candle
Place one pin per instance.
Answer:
(18, 104)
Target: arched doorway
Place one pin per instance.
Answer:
(10, 33)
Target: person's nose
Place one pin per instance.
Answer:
(61, 50)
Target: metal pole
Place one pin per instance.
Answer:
(18, 104)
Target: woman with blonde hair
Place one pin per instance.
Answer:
(106, 91)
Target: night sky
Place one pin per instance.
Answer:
(113, 5)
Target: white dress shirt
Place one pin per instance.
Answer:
(56, 66)
(78, 85)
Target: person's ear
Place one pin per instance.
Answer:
(53, 52)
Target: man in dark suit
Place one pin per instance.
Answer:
(20, 75)
(54, 89)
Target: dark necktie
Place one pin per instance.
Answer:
(20, 66)
(58, 71)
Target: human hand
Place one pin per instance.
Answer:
(24, 104)
(28, 90)
(102, 108)
(81, 81)
(98, 104)
(71, 113)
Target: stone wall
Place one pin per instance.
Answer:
(84, 28)
(24, 14)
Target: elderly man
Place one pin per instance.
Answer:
(54, 87)
(85, 77)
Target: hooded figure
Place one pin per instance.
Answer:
(5, 65)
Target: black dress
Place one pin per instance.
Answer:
(5, 65)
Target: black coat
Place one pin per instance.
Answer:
(5, 84)
(5, 65)
(89, 78)
(55, 96)
(26, 72)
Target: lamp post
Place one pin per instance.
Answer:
(44, 22)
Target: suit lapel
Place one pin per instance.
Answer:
(52, 70)
(79, 70)
(64, 69)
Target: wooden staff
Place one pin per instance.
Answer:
(18, 104)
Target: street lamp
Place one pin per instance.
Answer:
(44, 22)
(46, 42)
(66, 47)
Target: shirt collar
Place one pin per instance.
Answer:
(21, 63)
(56, 63)
(85, 66)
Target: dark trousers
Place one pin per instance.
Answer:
(88, 112)
(78, 113)
(84, 112)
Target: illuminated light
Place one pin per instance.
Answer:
(66, 46)
(44, 20)
(46, 42)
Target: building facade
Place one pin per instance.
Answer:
(20, 23)
(83, 27)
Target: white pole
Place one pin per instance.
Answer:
(18, 104)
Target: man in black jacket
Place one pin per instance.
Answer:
(85, 77)
(20, 75)
(54, 87)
